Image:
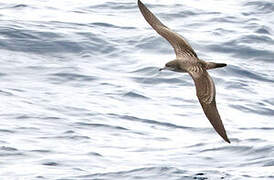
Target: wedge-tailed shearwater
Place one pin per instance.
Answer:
(188, 61)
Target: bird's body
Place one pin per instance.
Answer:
(187, 61)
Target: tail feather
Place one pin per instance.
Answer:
(212, 65)
(218, 65)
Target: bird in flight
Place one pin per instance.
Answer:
(187, 61)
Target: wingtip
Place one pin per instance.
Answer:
(140, 4)
(227, 140)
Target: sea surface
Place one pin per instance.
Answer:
(81, 96)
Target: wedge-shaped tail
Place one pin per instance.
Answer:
(213, 65)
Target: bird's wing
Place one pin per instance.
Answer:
(179, 44)
(205, 90)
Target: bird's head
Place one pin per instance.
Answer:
(172, 66)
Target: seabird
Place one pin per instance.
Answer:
(187, 61)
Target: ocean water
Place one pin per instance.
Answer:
(82, 98)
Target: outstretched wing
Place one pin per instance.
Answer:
(205, 90)
(179, 44)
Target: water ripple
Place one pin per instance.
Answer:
(82, 97)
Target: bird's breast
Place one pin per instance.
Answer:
(185, 65)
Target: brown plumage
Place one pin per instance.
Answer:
(188, 61)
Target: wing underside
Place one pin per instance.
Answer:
(179, 44)
(205, 91)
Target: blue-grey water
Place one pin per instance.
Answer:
(81, 96)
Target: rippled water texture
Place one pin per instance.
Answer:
(82, 97)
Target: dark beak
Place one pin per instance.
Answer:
(162, 69)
